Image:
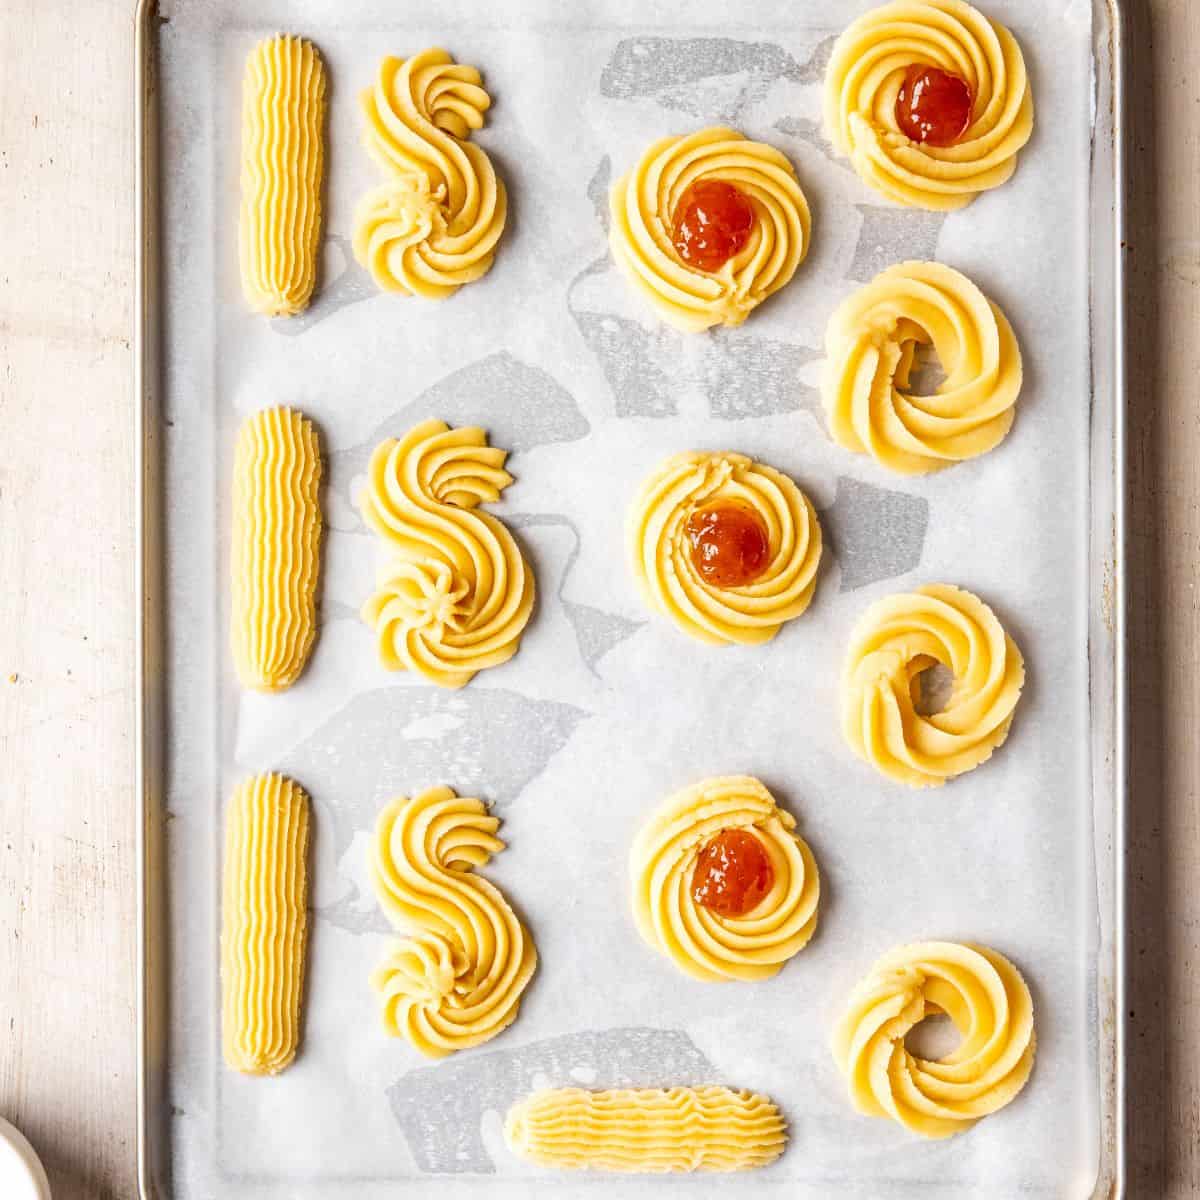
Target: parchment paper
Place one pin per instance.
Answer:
(607, 708)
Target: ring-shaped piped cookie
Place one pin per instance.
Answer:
(646, 206)
(882, 63)
(727, 547)
(872, 342)
(897, 639)
(989, 1003)
(722, 884)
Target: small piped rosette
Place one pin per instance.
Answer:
(896, 640)
(643, 204)
(989, 1004)
(660, 550)
(700, 942)
(863, 80)
(872, 342)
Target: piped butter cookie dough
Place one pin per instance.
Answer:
(728, 548)
(456, 594)
(989, 1003)
(708, 225)
(264, 924)
(456, 979)
(276, 547)
(722, 884)
(434, 224)
(647, 1130)
(872, 342)
(930, 101)
(283, 162)
(896, 640)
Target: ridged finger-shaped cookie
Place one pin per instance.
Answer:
(264, 924)
(457, 979)
(733, 823)
(897, 639)
(647, 1130)
(435, 223)
(456, 593)
(989, 1003)
(276, 547)
(677, 558)
(868, 69)
(283, 163)
(644, 203)
(871, 342)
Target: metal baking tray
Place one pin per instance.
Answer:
(329, 1126)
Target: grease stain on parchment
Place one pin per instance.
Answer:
(875, 533)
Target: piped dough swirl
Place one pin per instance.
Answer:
(647, 1130)
(435, 223)
(660, 553)
(456, 594)
(898, 638)
(989, 1003)
(283, 162)
(872, 341)
(698, 941)
(643, 204)
(276, 547)
(866, 71)
(457, 979)
(264, 924)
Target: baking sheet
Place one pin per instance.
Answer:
(607, 709)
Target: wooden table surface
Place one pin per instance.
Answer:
(67, 601)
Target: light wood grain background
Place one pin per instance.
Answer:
(67, 601)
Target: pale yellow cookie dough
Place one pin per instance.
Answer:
(989, 1003)
(647, 1130)
(865, 74)
(897, 639)
(660, 551)
(643, 203)
(435, 222)
(456, 593)
(276, 547)
(283, 161)
(456, 979)
(264, 924)
(698, 941)
(871, 343)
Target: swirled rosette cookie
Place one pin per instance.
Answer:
(647, 1130)
(896, 640)
(434, 224)
(456, 593)
(728, 548)
(930, 101)
(872, 342)
(457, 979)
(722, 884)
(989, 1003)
(708, 225)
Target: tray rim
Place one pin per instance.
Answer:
(150, 1022)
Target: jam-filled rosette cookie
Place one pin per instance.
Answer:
(722, 884)
(930, 101)
(985, 997)
(898, 639)
(872, 343)
(708, 225)
(456, 593)
(434, 224)
(727, 547)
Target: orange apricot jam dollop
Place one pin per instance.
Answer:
(712, 222)
(933, 106)
(730, 544)
(732, 873)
